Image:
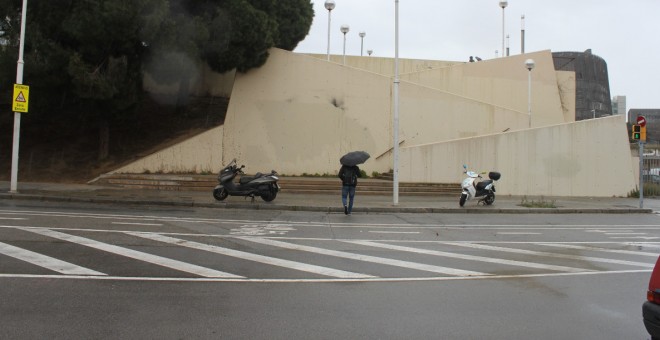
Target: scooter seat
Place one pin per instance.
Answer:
(482, 185)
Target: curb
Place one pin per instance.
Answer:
(270, 206)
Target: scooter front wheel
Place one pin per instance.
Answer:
(461, 202)
(220, 194)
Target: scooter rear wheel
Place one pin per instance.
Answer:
(489, 199)
(220, 194)
(461, 202)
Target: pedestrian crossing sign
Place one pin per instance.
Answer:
(20, 98)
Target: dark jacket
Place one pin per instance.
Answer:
(346, 180)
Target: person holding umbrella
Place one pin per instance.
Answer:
(349, 174)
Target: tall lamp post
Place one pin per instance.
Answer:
(344, 29)
(529, 64)
(522, 34)
(329, 5)
(362, 34)
(395, 94)
(503, 4)
(13, 184)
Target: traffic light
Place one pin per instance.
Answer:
(637, 132)
(642, 133)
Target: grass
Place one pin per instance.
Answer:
(537, 204)
(650, 190)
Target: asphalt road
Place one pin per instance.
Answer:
(79, 271)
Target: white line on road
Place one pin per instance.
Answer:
(45, 261)
(136, 223)
(251, 257)
(514, 233)
(378, 279)
(548, 254)
(393, 232)
(158, 260)
(471, 257)
(618, 251)
(365, 258)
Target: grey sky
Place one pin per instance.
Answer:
(624, 33)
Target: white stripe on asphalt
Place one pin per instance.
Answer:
(548, 254)
(471, 257)
(365, 258)
(45, 261)
(161, 261)
(252, 257)
(605, 250)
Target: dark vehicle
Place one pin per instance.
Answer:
(651, 307)
(262, 185)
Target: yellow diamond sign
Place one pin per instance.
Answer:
(21, 96)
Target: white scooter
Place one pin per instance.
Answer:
(473, 188)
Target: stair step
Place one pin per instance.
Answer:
(300, 185)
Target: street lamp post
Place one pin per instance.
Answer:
(395, 123)
(344, 29)
(529, 64)
(503, 4)
(13, 184)
(329, 5)
(362, 34)
(522, 34)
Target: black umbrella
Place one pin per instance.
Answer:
(354, 158)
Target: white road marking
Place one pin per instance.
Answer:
(470, 257)
(625, 233)
(252, 257)
(378, 279)
(639, 237)
(45, 261)
(365, 258)
(515, 233)
(618, 251)
(548, 254)
(13, 218)
(393, 232)
(158, 260)
(138, 223)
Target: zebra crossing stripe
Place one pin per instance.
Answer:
(253, 257)
(365, 258)
(157, 260)
(44, 261)
(471, 257)
(605, 250)
(548, 254)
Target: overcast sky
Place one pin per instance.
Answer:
(624, 33)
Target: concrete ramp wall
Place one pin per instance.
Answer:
(587, 158)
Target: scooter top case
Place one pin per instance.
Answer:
(494, 175)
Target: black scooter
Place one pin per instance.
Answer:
(262, 185)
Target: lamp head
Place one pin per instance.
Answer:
(362, 34)
(329, 5)
(344, 29)
(503, 3)
(529, 64)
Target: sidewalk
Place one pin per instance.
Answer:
(66, 192)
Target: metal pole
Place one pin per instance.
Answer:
(329, 14)
(395, 184)
(641, 175)
(522, 34)
(17, 115)
(503, 31)
(529, 96)
(344, 60)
